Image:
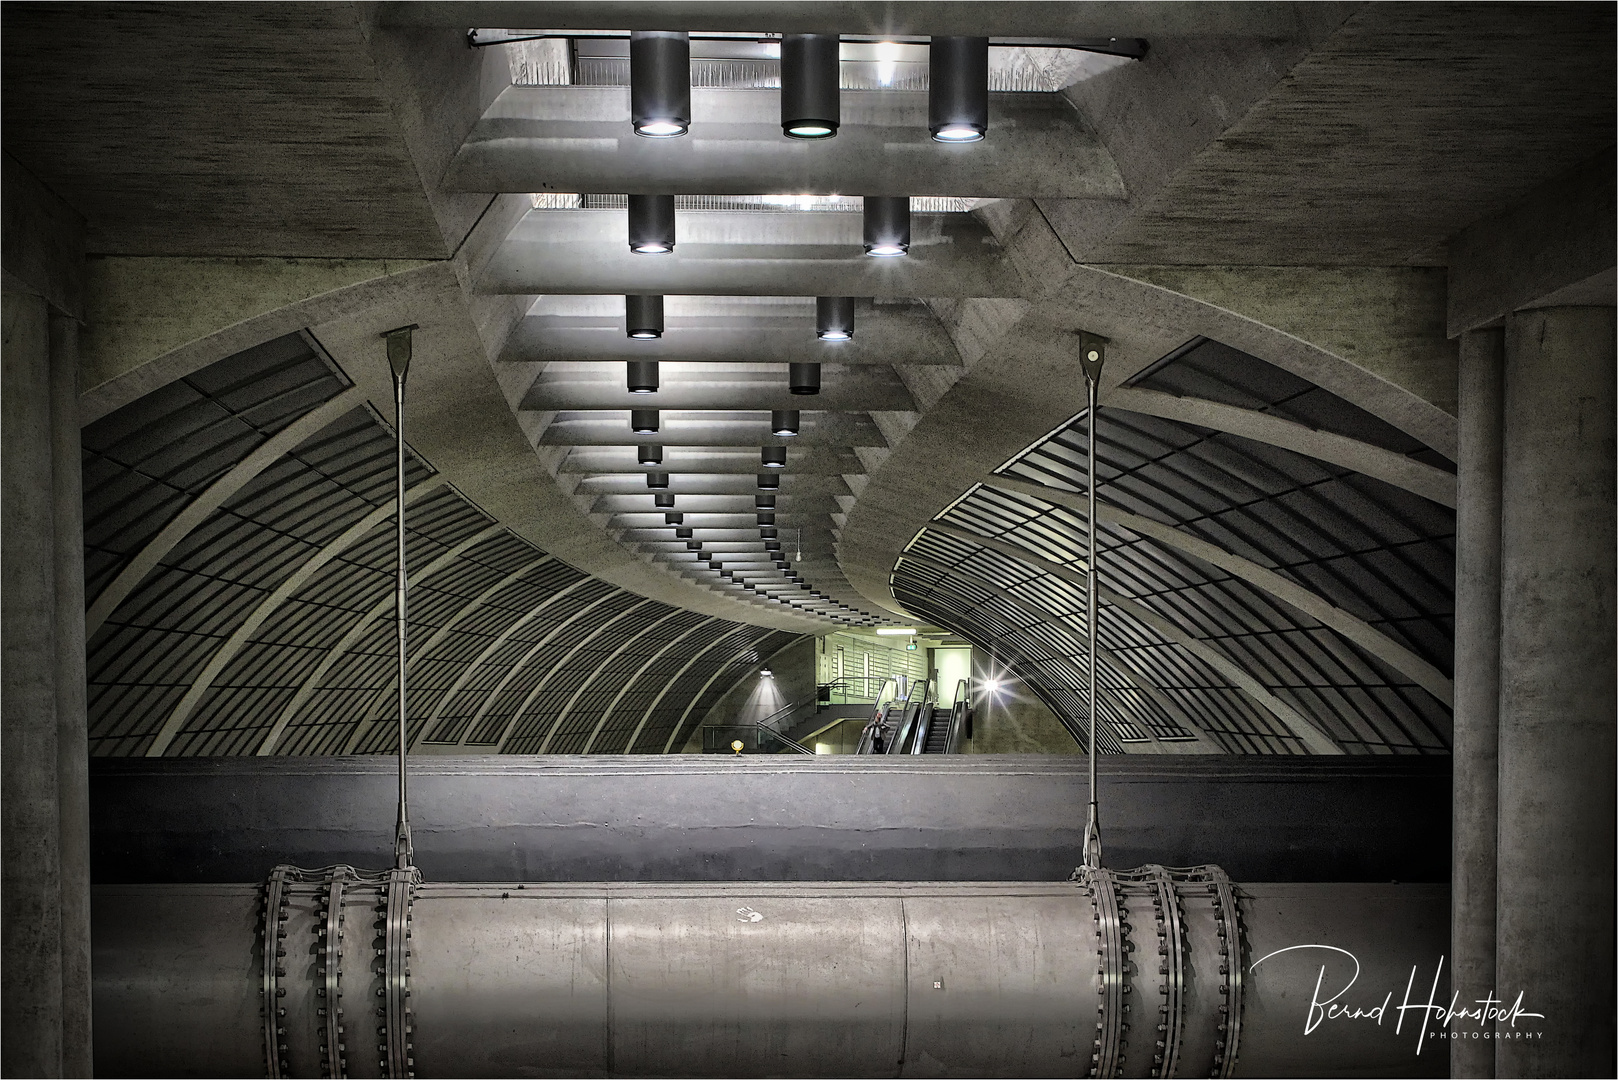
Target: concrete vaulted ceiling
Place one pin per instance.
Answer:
(1256, 216)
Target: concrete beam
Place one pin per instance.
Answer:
(586, 387)
(1560, 237)
(41, 240)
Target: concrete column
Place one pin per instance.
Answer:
(1477, 684)
(30, 825)
(1557, 693)
(72, 736)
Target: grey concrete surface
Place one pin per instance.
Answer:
(1477, 682)
(1557, 691)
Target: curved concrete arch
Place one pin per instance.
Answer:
(1103, 654)
(1307, 731)
(268, 606)
(703, 689)
(647, 715)
(567, 709)
(650, 660)
(357, 631)
(511, 725)
(210, 499)
(1277, 585)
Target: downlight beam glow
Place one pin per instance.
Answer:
(660, 83)
(834, 318)
(785, 423)
(958, 89)
(887, 225)
(651, 224)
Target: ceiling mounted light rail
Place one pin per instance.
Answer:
(773, 457)
(958, 89)
(643, 316)
(651, 224)
(784, 422)
(803, 379)
(834, 318)
(643, 421)
(642, 376)
(648, 455)
(887, 225)
(660, 83)
(810, 82)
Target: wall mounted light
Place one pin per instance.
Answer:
(659, 83)
(834, 318)
(657, 479)
(663, 500)
(803, 379)
(887, 225)
(643, 421)
(684, 534)
(643, 316)
(764, 502)
(651, 224)
(773, 457)
(810, 77)
(674, 519)
(642, 376)
(784, 422)
(958, 89)
(769, 481)
(648, 455)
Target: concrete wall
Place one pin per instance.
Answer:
(792, 681)
(1012, 720)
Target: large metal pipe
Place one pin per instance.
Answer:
(1126, 974)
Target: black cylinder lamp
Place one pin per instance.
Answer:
(643, 421)
(773, 457)
(683, 533)
(766, 519)
(958, 89)
(764, 502)
(887, 225)
(643, 316)
(692, 545)
(772, 545)
(769, 481)
(657, 480)
(651, 224)
(834, 318)
(642, 376)
(649, 455)
(810, 77)
(768, 532)
(803, 379)
(784, 422)
(674, 519)
(663, 500)
(660, 83)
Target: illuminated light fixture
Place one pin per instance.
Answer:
(773, 457)
(766, 519)
(651, 224)
(769, 481)
(768, 532)
(834, 318)
(803, 379)
(643, 421)
(705, 556)
(692, 545)
(643, 316)
(663, 500)
(764, 502)
(683, 534)
(660, 83)
(811, 73)
(896, 631)
(657, 479)
(887, 225)
(649, 455)
(674, 519)
(958, 89)
(773, 545)
(991, 686)
(643, 376)
(784, 423)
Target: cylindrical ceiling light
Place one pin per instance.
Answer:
(642, 376)
(659, 83)
(784, 422)
(649, 455)
(803, 378)
(772, 545)
(693, 545)
(643, 421)
(683, 533)
(768, 532)
(643, 316)
(834, 318)
(887, 225)
(674, 519)
(810, 78)
(766, 519)
(651, 224)
(769, 481)
(657, 479)
(764, 502)
(663, 500)
(773, 457)
(958, 89)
